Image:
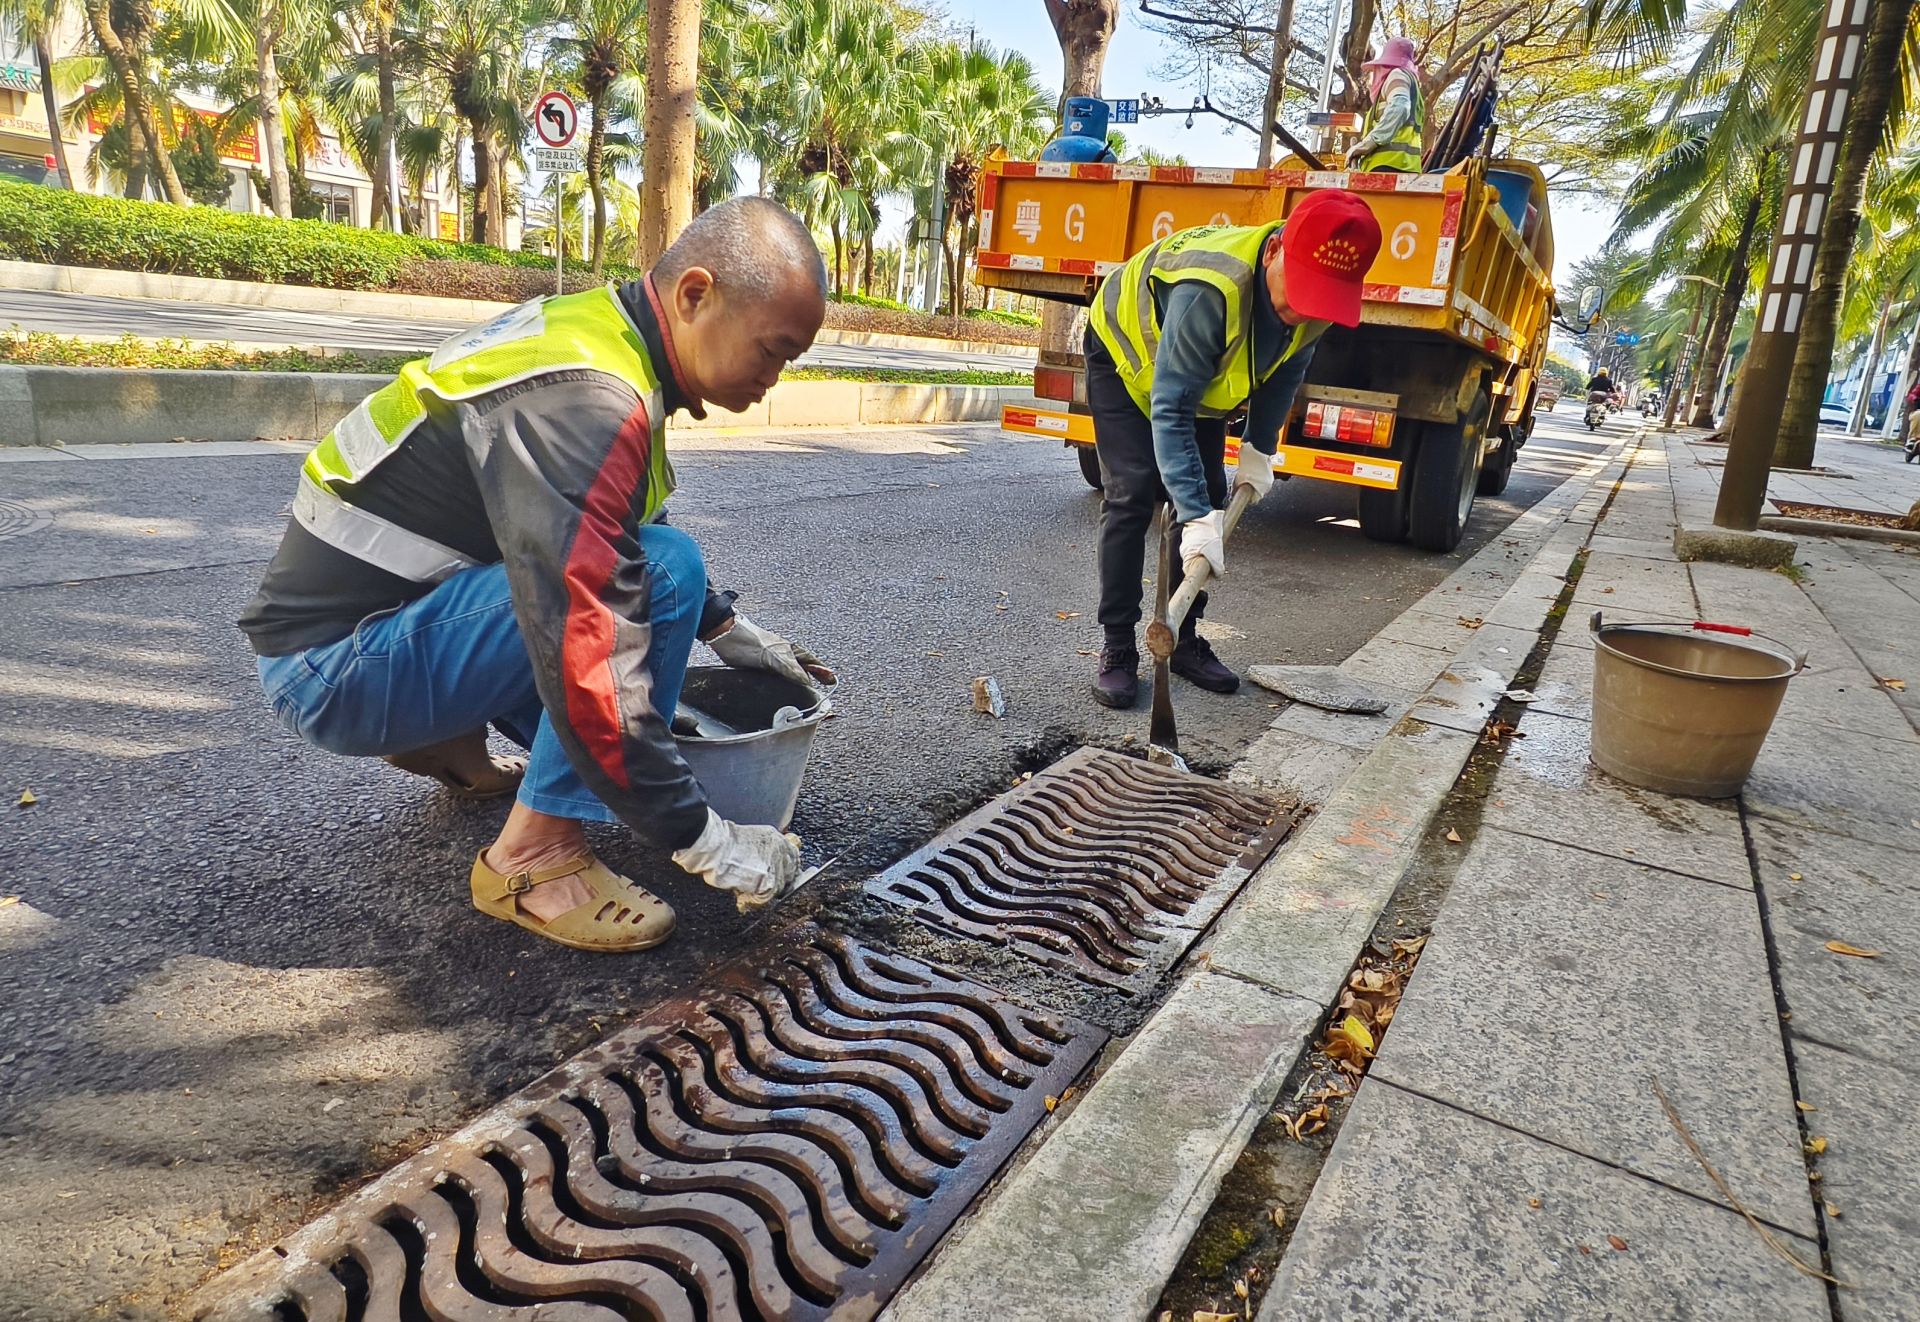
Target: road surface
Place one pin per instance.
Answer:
(243, 974)
(97, 317)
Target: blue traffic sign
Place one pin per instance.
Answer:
(1625, 337)
(1125, 112)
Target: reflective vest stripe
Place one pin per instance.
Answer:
(368, 537)
(588, 331)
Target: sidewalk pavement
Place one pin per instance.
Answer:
(1507, 1155)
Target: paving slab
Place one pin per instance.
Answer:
(1424, 1212)
(1303, 916)
(1324, 687)
(1634, 587)
(1094, 1224)
(1549, 789)
(1353, 729)
(1397, 664)
(1309, 768)
(1463, 697)
(1565, 686)
(1865, 1110)
(1864, 895)
(1558, 985)
(1845, 697)
(1858, 786)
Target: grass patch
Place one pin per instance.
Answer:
(41, 349)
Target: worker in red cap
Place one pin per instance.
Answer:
(1394, 140)
(1189, 331)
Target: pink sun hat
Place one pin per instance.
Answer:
(1400, 53)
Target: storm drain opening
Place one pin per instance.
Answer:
(786, 1145)
(1102, 865)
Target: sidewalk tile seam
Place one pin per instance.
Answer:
(1634, 861)
(1587, 1156)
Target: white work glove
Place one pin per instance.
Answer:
(1206, 539)
(757, 864)
(1254, 470)
(746, 646)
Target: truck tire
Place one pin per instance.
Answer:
(1089, 465)
(1446, 472)
(1383, 514)
(1497, 469)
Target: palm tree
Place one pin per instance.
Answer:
(37, 21)
(123, 32)
(604, 43)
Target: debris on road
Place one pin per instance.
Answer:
(988, 698)
(1842, 948)
(28, 798)
(1326, 687)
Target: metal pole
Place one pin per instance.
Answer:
(1276, 79)
(939, 252)
(559, 238)
(1762, 392)
(1857, 420)
(1897, 407)
(1680, 370)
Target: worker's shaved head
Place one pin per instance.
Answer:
(752, 247)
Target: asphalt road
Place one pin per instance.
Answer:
(242, 974)
(95, 317)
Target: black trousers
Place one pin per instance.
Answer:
(1132, 493)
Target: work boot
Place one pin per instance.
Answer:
(1193, 660)
(1118, 683)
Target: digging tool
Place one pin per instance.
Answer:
(1169, 613)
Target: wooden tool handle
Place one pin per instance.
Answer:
(1198, 570)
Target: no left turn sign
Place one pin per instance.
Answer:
(555, 119)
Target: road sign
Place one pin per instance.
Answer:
(1126, 112)
(555, 119)
(558, 160)
(1626, 337)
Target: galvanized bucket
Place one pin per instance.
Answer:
(747, 735)
(1684, 709)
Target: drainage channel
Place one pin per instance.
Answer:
(788, 1144)
(1104, 866)
(790, 1141)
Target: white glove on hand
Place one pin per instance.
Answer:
(1254, 470)
(746, 646)
(1206, 539)
(756, 863)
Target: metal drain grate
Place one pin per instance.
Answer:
(1103, 865)
(787, 1145)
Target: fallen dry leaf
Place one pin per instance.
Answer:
(1066, 615)
(1794, 876)
(1617, 1242)
(1816, 1146)
(1832, 1211)
(1533, 1202)
(5, 900)
(1410, 948)
(28, 798)
(1240, 1287)
(1052, 1102)
(1606, 590)
(1897, 685)
(1279, 1215)
(1584, 1249)
(1806, 1106)
(1842, 948)
(1202, 1315)
(1471, 621)
(1453, 836)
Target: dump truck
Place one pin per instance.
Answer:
(1420, 408)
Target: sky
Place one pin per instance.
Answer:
(1579, 227)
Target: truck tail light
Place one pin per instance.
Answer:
(1054, 383)
(1347, 424)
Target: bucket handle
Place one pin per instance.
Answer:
(1707, 626)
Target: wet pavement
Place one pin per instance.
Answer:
(243, 974)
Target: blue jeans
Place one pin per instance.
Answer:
(450, 662)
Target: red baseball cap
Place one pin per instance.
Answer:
(1329, 242)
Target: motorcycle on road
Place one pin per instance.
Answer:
(1596, 409)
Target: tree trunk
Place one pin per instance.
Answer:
(273, 136)
(136, 185)
(497, 193)
(1866, 120)
(866, 278)
(1857, 421)
(673, 94)
(134, 99)
(482, 183)
(596, 181)
(1720, 331)
(1353, 53)
(1084, 29)
(43, 52)
(839, 286)
(385, 186)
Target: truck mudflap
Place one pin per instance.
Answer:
(1377, 471)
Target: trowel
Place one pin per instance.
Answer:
(1170, 611)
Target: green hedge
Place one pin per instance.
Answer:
(74, 229)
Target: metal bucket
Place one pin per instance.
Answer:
(1684, 710)
(755, 732)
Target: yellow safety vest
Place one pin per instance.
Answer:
(1404, 149)
(1225, 257)
(586, 331)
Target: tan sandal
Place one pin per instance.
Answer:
(464, 766)
(622, 915)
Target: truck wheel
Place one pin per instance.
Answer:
(1446, 470)
(1383, 514)
(1495, 472)
(1089, 465)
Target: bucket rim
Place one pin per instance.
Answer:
(1755, 642)
(810, 716)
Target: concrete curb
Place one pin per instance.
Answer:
(93, 405)
(1096, 1221)
(1821, 528)
(105, 283)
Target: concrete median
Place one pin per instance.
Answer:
(100, 405)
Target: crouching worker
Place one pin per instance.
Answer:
(477, 543)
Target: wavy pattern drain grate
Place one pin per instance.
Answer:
(1103, 865)
(786, 1145)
